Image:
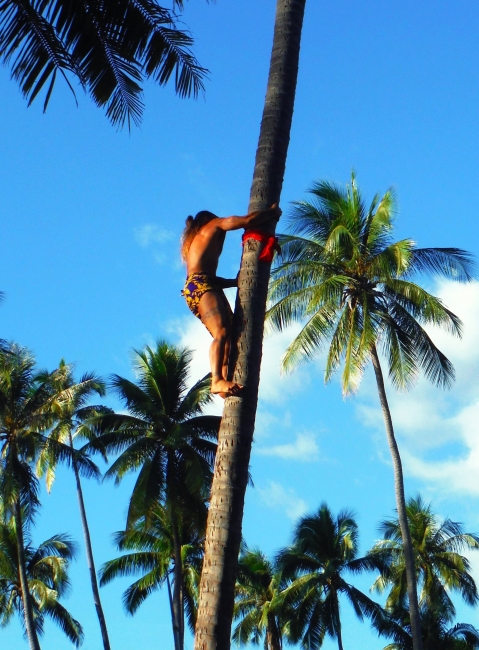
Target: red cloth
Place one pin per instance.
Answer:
(270, 241)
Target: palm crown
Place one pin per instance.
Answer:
(151, 553)
(343, 273)
(440, 566)
(47, 572)
(109, 47)
(164, 435)
(324, 548)
(259, 607)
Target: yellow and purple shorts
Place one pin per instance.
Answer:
(196, 285)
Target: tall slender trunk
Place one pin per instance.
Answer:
(401, 506)
(172, 612)
(178, 586)
(172, 504)
(22, 570)
(224, 526)
(89, 554)
(337, 614)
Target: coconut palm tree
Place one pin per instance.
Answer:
(435, 627)
(261, 608)
(167, 439)
(152, 555)
(25, 415)
(46, 569)
(108, 47)
(72, 417)
(441, 569)
(352, 284)
(324, 548)
(224, 528)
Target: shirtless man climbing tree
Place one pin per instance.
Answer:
(202, 243)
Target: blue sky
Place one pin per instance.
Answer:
(91, 219)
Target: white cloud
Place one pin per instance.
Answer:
(150, 233)
(277, 497)
(304, 448)
(438, 429)
(457, 472)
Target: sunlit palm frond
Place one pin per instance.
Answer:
(452, 263)
(422, 306)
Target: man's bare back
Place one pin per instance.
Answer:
(203, 241)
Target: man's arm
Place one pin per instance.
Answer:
(226, 283)
(249, 221)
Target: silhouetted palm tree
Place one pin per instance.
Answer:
(324, 548)
(108, 47)
(152, 555)
(46, 569)
(437, 630)
(260, 606)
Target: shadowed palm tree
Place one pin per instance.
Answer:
(324, 548)
(260, 608)
(46, 569)
(436, 633)
(152, 554)
(352, 284)
(72, 417)
(167, 439)
(109, 47)
(225, 514)
(437, 547)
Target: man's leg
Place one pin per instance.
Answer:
(216, 317)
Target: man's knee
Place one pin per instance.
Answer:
(222, 333)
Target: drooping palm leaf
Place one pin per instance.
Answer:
(110, 48)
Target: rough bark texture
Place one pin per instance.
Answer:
(401, 507)
(89, 557)
(223, 534)
(22, 570)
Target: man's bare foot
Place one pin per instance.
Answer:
(225, 388)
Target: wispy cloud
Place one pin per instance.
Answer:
(150, 233)
(304, 448)
(277, 497)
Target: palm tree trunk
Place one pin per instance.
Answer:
(89, 554)
(22, 570)
(176, 634)
(178, 622)
(273, 635)
(401, 506)
(336, 618)
(224, 526)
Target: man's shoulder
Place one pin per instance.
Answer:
(212, 226)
